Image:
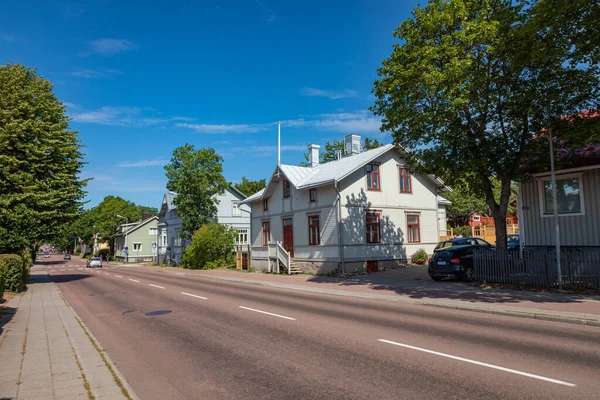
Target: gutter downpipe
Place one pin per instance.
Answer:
(339, 221)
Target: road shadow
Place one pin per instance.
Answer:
(50, 262)
(68, 277)
(416, 285)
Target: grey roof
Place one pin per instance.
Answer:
(442, 200)
(255, 196)
(135, 227)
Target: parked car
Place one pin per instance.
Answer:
(94, 262)
(67, 257)
(46, 255)
(453, 262)
(470, 241)
(513, 242)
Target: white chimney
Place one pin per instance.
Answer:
(352, 144)
(313, 151)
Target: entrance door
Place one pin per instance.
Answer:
(288, 236)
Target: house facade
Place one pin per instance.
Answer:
(365, 211)
(133, 241)
(476, 219)
(230, 212)
(578, 199)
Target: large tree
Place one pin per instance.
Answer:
(197, 177)
(40, 162)
(470, 83)
(249, 187)
(332, 149)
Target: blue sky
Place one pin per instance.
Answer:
(142, 78)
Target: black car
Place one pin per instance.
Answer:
(453, 262)
(67, 257)
(466, 241)
(513, 242)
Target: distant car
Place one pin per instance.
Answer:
(67, 257)
(513, 242)
(453, 262)
(94, 262)
(466, 241)
(46, 255)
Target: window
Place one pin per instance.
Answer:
(265, 205)
(266, 233)
(373, 228)
(137, 246)
(177, 238)
(235, 209)
(314, 230)
(164, 238)
(286, 188)
(405, 181)
(413, 228)
(568, 196)
(242, 236)
(313, 195)
(373, 177)
(153, 231)
(476, 218)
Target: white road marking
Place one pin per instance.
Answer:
(118, 276)
(196, 296)
(482, 364)
(133, 280)
(268, 313)
(156, 286)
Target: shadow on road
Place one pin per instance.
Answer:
(50, 262)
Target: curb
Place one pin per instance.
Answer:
(507, 313)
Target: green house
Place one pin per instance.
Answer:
(137, 241)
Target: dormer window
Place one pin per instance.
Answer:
(286, 188)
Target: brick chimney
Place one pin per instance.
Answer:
(313, 151)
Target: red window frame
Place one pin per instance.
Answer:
(410, 233)
(265, 205)
(373, 173)
(287, 189)
(266, 232)
(405, 180)
(313, 195)
(314, 230)
(373, 228)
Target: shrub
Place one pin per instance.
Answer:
(103, 253)
(12, 271)
(463, 230)
(27, 264)
(420, 257)
(78, 249)
(1, 285)
(212, 247)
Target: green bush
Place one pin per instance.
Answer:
(12, 271)
(1, 285)
(212, 247)
(465, 231)
(78, 250)
(420, 257)
(103, 253)
(27, 264)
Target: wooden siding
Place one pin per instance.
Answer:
(583, 230)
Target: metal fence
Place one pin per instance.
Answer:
(580, 269)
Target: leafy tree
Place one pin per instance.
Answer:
(333, 148)
(212, 247)
(40, 162)
(197, 177)
(249, 187)
(471, 82)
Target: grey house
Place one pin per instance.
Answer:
(578, 198)
(230, 212)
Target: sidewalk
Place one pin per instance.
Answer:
(412, 285)
(47, 353)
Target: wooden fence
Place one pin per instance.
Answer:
(242, 256)
(538, 267)
(488, 233)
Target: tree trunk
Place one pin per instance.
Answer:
(498, 210)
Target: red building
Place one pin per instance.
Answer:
(476, 220)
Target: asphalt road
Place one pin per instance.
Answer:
(182, 337)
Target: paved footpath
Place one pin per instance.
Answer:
(413, 286)
(47, 353)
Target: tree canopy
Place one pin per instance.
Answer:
(470, 83)
(197, 177)
(40, 161)
(332, 149)
(249, 187)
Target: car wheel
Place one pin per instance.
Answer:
(436, 278)
(469, 275)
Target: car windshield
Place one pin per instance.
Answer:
(444, 254)
(96, 259)
(513, 238)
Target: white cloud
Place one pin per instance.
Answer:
(134, 117)
(330, 94)
(5, 37)
(101, 73)
(221, 129)
(144, 163)
(109, 47)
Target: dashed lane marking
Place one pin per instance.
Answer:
(156, 286)
(268, 313)
(193, 295)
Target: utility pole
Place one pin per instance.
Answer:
(555, 208)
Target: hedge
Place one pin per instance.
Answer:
(14, 271)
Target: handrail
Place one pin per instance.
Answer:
(280, 255)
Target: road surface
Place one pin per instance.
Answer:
(182, 337)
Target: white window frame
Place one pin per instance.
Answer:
(476, 218)
(548, 178)
(139, 244)
(152, 231)
(236, 211)
(242, 234)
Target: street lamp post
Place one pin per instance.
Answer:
(555, 208)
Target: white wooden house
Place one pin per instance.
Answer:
(230, 212)
(364, 211)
